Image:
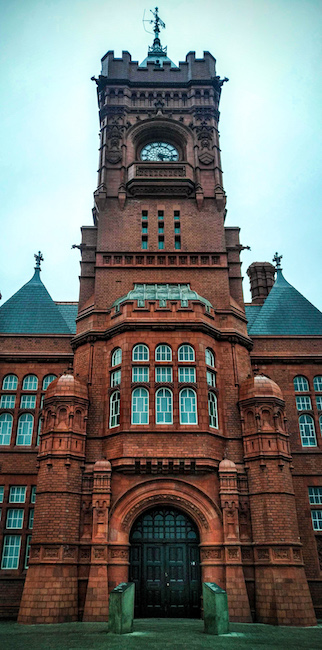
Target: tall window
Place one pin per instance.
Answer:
(210, 358)
(211, 378)
(25, 427)
(28, 542)
(11, 552)
(140, 353)
(10, 382)
(15, 518)
(47, 380)
(187, 374)
(115, 409)
(212, 410)
(6, 420)
(163, 373)
(307, 431)
(186, 353)
(140, 374)
(116, 378)
(116, 357)
(301, 384)
(163, 353)
(140, 406)
(163, 406)
(317, 383)
(30, 383)
(188, 406)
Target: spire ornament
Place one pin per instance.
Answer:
(39, 258)
(277, 259)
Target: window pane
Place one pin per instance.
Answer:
(25, 427)
(163, 401)
(6, 420)
(28, 541)
(31, 518)
(163, 373)
(212, 410)
(188, 406)
(319, 402)
(301, 384)
(33, 494)
(315, 495)
(28, 401)
(303, 403)
(47, 380)
(1, 493)
(116, 378)
(140, 406)
(7, 401)
(14, 518)
(140, 373)
(187, 374)
(10, 382)
(117, 357)
(211, 378)
(317, 383)
(316, 519)
(30, 383)
(163, 353)
(115, 409)
(17, 494)
(307, 431)
(140, 353)
(210, 359)
(186, 353)
(11, 552)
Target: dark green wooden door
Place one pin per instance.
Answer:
(164, 565)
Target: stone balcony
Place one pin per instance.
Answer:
(154, 178)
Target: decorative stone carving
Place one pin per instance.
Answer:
(99, 552)
(210, 553)
(121, 553)
(263, 553)
(51, 552)
(233, 553)
(114, 136)
(85, 553)
(281, 553)
(164, 498)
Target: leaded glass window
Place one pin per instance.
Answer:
(315, 495)
(163, 374)
(163, 406)
(317, 383)
(28, 401)
(30, 383)
(25, 427)
(47, 380)
(210, 358)
(212, 410)
(187, 374)
(186, 353)
(307, 431)
(11, 552)
(6, 421)
(116, 378)
(303, 403)
(17, 494)
(14, 518)
(316, 519)
(7, 401)
(115, 403)
(116, 357)
(301, 384)
(140, 406)
(140, 353)
(140, 374)
(163, 353)
(10, 382)
(188, 406)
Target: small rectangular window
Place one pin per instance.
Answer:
(177, 243)
(144, 228)
(144, 214)
(161, 243)
(176, 214)
(161, 228)
(17, 494)
(211, 378)
(140, 373)
(7, 401)
(28, 401)
(160, 215)
(33, 494)
(315, 495)
(1, 493)
(303, 403)
(31, 519)
(187, 374)
(177, 228)
(11, 552)
(28, 542)
(15, 518)
(144, 242)
(163, 373)
(116, 378)
(316, 519)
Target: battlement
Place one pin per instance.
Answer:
(191, 69)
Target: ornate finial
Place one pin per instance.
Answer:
(157, 24)
(277, 259)
(39, 258)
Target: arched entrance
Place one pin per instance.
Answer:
(164, 564)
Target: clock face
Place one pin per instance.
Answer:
(159, 152)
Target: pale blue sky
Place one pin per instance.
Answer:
(270, 125)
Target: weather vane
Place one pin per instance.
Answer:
(158, 23)
(39, 258)
(277, 259)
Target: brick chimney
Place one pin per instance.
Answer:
(261, 276)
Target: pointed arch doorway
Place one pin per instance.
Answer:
(165, 565)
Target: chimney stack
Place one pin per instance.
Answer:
(261, 276)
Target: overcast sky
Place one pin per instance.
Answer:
(270, 125)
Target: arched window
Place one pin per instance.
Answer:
(140, 353)
(188, 406)
(25, 427)
(10, 382)
(140, 406)
(163, 406)
(47, 380)
(212, 410)
(116, 357)
(307, 431)
(30, 383)
(163, 353)
(301, 384)
(186, 353)
(6, 420)
(115, 401)
(210, 358)
(317, 383)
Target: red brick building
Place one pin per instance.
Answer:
(185, 445)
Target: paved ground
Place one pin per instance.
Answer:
(177, 634)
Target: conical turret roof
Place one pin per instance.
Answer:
(284, 312)
(32, 311)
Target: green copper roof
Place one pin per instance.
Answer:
(284, 312)
(69, 314)
(32, 311)
(162, 293)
